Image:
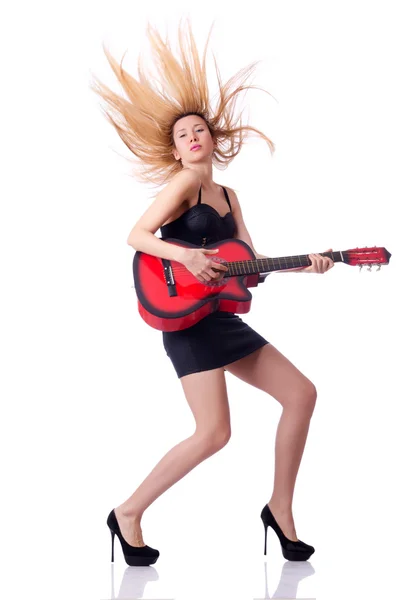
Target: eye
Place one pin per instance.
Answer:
(183, 134)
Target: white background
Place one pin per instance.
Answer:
(90, 401)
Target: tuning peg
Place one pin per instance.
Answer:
(369, 268)
(361, 268)
(379, 266)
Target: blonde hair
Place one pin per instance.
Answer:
(145, 119)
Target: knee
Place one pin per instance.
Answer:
(309, 397)
(306, 397)
(213, 440)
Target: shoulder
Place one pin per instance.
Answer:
(187, 178)
(181, 191)
(186, 184)
(182, 186)
(234, 201)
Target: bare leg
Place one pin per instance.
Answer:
(207, 397)
(270, 371)
(291, 437)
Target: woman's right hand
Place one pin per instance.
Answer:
(196, 261)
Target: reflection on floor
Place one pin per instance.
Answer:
(134, 580)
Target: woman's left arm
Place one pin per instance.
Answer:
(320, 264)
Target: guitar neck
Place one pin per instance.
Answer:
(281, 263)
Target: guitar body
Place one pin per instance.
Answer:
(170, 298)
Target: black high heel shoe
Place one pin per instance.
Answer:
(135, 556)
(291, 550)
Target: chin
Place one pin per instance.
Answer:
(198, 156)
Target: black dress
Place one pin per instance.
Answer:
(221, 337)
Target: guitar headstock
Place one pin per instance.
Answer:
(367, 257)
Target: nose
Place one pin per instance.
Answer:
(193, 136)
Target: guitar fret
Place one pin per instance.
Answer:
(252, 266)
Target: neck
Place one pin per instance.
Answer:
(205, 172)
(281, 263)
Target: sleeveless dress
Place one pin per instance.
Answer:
(221, 337)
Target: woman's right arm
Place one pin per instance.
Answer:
(184, 184)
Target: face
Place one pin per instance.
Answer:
(190, 131)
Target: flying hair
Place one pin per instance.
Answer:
(145, 117)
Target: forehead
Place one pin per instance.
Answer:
(188, 121)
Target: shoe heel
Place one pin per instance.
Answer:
(292, 550)
(135, 556)
(112, 534)
(266, 526)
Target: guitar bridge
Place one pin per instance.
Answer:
(169, 277)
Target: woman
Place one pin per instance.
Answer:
(177, 138)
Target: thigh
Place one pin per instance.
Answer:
(206, 394)
(270, 371)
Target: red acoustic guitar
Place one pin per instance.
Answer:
(171, 298)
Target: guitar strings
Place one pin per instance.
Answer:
(250, 264)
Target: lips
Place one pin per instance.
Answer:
(195, 147)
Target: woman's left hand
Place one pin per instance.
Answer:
(320, 264)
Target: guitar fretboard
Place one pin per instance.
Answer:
(266, 265)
